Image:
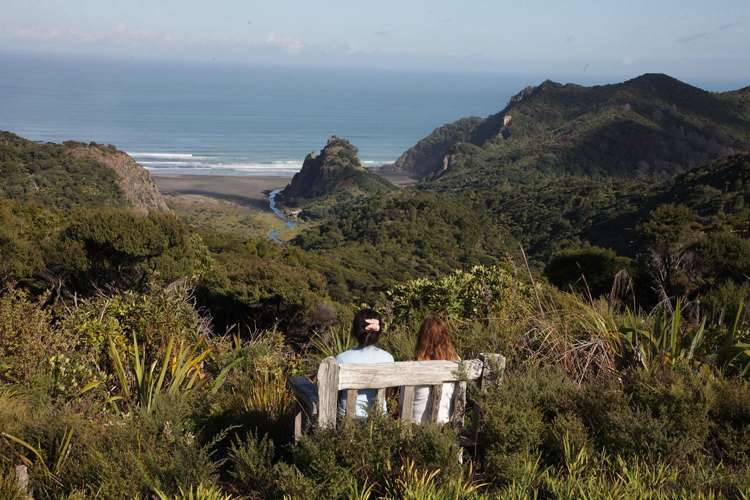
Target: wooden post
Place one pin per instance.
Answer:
(328, 393)
(351, 403)
(436, 393)
(380, 401)
(493, 369)
(407, 402)
(22, 479)
(298, 426)
(459, 403)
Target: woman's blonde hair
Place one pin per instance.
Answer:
(434, 341)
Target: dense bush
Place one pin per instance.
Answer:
(26, 336)
(121, 248)
(530, 430)
(47, 174)
(585, 270)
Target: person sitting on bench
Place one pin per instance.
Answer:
(367, 327)
(433, 343)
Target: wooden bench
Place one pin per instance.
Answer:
(319, 404)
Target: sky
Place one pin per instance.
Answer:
(686, 38)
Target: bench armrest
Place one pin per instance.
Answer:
(306, 394)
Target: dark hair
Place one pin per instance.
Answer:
(366, 337)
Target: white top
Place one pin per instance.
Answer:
(365, 397)
(421, 408)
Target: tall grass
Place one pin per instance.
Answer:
(415, 484)
(580, 335)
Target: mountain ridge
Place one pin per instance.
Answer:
(652, 124)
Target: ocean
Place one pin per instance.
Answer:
(220, 119)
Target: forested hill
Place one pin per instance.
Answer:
(650, 125)
(74, 174)
(335, 172)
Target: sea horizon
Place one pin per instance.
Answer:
(200, 118)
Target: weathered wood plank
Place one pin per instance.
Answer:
(351, 403)
(458, 405)
(328, 391)
(493, 369)
(436, 392)
(380, 401)
(407, 403)
(382, 375)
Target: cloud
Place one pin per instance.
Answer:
(627, 60)
(287, 44)
(380, 33)
(693, 37)
(706, 34)
(727, 26)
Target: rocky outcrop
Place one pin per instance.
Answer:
(336, 170)
(134, 181)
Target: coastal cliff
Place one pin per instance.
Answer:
(134, 181)
(74, 174)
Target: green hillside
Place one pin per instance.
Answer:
(73, 175)
(653, 125)
(141, 357)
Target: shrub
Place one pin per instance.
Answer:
(588, 269)
(372, 452)
(127, 457)
(513, 420)
(9, 488)
(729, 433)
(251, 467)
(477, 293)
(26, 336)
(122, 248)
(254, 396)
(151, 318)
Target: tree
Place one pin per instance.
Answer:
(585, 268)
(669, 234)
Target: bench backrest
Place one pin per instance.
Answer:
(334, 377)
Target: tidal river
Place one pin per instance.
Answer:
(273, 235)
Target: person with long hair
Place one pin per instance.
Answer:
(367, 327)
(433, 343)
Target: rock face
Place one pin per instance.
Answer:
(336, 170)
(135, 182)
(422, 159)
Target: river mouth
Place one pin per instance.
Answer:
(273, 235)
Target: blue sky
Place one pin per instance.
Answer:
(694, 39)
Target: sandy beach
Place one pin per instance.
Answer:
(249, 191)
(244, 190)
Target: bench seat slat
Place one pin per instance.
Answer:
(382, 375)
